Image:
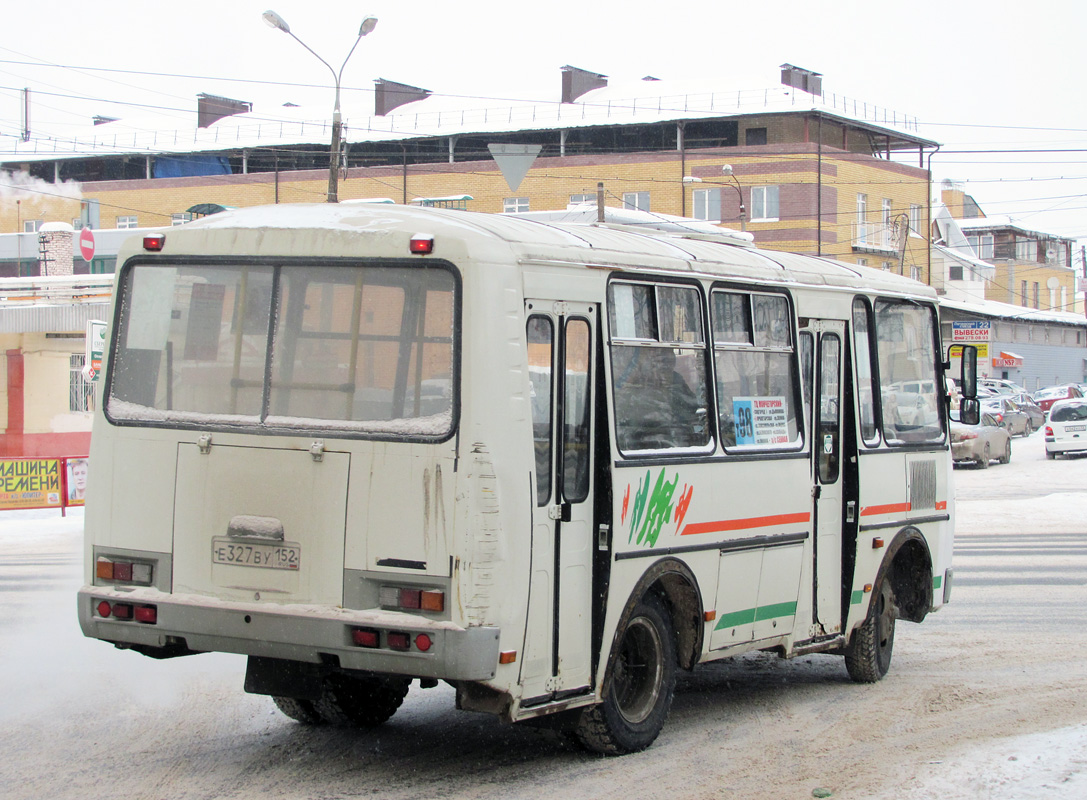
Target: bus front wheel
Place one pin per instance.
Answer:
(639, 690)
(868, 656)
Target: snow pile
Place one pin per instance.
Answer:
(1039, 766)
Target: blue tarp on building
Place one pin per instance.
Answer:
(190, 166)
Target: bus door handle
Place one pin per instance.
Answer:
(560, 512)
(851, 511)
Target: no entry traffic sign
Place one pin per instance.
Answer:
(86, 244)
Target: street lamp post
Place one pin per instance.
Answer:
(273, 20)
(727, 170)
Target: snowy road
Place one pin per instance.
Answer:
(985, 699)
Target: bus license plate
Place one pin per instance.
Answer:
(281, 555)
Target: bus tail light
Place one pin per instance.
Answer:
(1048, 430)
(398, 640)
(154, 242)
(365, 637)
(422, 244)
(121, 571)
(412, 598)
(147, 614)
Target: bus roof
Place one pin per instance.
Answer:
(571, 244)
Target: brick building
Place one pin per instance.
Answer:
(813, 171)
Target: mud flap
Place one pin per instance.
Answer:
(280, 678)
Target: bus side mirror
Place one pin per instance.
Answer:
(968, 383)
(970, 411)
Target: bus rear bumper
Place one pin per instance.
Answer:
(395, 643)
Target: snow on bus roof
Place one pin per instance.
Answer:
(611, 244)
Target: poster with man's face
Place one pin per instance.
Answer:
(77, 481)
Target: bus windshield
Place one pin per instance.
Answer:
(358, 349)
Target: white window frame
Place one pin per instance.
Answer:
(32, 225)
(514, 205)
(128, 221)
(636, 201)
(982, 244)
(180, 218)
(707, 205)
(79, 388)
(885, 210)
(765, 204)
(915, 217)
(582, 199)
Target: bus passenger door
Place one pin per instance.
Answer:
(557, 658)
(826, 426)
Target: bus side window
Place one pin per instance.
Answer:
(540, 334)
(658, 367)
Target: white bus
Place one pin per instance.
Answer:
(548, 464)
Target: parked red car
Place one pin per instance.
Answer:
(1047, 397)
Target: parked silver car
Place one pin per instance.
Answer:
(1066, 431)
(980, 443)
(1008, 414)
(1031, 409)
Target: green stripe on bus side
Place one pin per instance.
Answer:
(749, 615)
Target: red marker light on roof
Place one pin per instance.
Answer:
(421, 244)
(154, 241)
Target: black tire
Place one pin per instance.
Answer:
(1004, 459)
(1050, 455)
(299, 710)
(868, 656)
(638, 690)
(362, 702)
(983, 462)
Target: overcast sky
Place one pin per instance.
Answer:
(979, 76)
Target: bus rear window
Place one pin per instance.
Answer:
(359, 349)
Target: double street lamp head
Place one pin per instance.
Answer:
(369, 22)
(273, 20)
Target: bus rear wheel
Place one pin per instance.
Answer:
(638, 692)
(298, 710)
(868, 656)
(365, 702)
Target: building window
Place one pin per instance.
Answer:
(181, 218)
(1037, 293)
(1022, 293)
(707, 204)
(127, 222)
(885, 211)
(636, 201)
(862, 262)
(915, 217)
(80, 389)
(764, 203)
(954, 273)
(915, 272)
(580, 199)
(886, 266)
(983, 245)
(754, 136)
(515, 205)
(32, 225)
(1026, 250)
